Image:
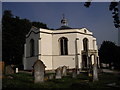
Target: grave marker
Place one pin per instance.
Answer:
(39, 71)
(58, 73)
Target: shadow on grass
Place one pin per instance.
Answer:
(23, 80)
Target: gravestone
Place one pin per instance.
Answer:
(39, 71)
(64, 71)
(51, 76)
(9, 70)
(58, 73)
(95, 72)
(74, 73)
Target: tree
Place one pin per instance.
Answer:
(14, 30)
(109, 53)
(39, 25)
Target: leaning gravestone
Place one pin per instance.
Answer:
(64, 71)
(58, 73)
(39, 71)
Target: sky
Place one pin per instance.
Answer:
(97, 18)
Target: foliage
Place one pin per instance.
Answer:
(109, 53)
(114, 7)
(88, 3)
(14, 30)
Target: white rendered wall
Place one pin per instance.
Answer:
(63, 60)
(47, 47)
(46, 44)
(67, 60)
(71, 43)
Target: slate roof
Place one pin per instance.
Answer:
(64, 27)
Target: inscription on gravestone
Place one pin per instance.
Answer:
(39, 71)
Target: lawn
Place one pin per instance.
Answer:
(24, 80)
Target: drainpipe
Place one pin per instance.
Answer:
(39, 43)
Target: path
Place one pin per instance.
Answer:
(111, 71)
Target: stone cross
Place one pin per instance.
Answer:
(58, 73)
(39, 71)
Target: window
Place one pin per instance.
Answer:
(31, 47)
(63, 46)
(85, 31)
(85, 44)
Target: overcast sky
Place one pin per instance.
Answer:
(97, 18)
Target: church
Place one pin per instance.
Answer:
(72, 47)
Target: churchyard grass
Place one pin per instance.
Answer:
(25, 80)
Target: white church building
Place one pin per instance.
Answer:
(72, 47)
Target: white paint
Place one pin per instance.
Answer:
(47, 47)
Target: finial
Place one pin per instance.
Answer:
(64, 21)
(63, 15)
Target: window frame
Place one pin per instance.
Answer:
(32, 48)
(63, 46)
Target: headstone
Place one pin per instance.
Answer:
(95, 72)
(78, 71)
(51, 76)
(74, 73)
(58, 73)
(64, 71)
(39, 71)
(9, 70)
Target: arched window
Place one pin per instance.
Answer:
(31, 47)
(63, 46)
(85, 44)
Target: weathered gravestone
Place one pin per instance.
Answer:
(58, 73)
(39, 71)
(74, 73)
(9, 70)
(95, 72)
(64, 71)
(51, 76)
